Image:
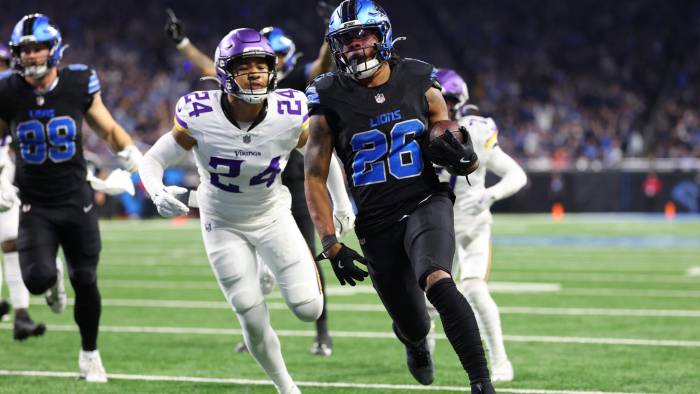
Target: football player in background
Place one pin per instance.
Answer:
(374, 111)
(23, 326)
(43, 107)
(242, 136)
(290, 75)
(473, 219)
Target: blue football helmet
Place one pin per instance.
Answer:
(354, 18)
(31, 29)
(282, 45)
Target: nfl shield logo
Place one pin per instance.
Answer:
(246, 139)
(379, 98)
(207, 226)
(39, 100)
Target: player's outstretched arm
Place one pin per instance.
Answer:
(322, 64)
(175, 30)
(167, 151)
(513, 177)
(100, 120)
(316, 166)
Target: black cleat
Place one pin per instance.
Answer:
(483, 388)
(4, 308)
(322, 346)
(418, 359)
(25, 328)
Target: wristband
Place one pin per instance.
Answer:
(185, 41)
(328, 241)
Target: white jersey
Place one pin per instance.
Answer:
(240, 169)
(484, 135)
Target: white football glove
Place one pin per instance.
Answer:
(474, 205)
(166, 202)
(344, 222)
(8, 196)
(130, 157)
(118, 182)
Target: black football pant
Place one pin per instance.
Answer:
(402, 256)
(301, 216)
(75, 229)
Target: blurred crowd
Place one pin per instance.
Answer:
(564, 81)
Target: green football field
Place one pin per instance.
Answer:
(596, 303)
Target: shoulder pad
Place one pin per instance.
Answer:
(190, 106)
(481, 129)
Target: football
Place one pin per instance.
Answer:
(441, 126)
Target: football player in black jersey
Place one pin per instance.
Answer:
(291, 75)
(375, 111)
(43, 107)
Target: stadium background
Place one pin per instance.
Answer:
(588, 95)
(593, 98)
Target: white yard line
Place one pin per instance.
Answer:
(257, 382)
(612, 292)
(694, 271)
(369, 335)
(189, 304)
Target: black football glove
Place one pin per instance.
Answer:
(344, 267)
(174, 28)
(458, 158)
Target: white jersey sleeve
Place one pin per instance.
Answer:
(240, 169)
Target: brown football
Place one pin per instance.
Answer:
(440, 126)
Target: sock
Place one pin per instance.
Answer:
(19, 295)
(486, 310)
(264, 345)
(460, 328)
(322, 322)
(88, 306)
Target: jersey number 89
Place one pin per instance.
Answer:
(57, 142)
(404, 153)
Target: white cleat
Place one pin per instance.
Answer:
(431, 337)
(91, 368)
(56, 295)
(502, 372)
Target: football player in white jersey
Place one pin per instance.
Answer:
(473, 218)
(242, 136)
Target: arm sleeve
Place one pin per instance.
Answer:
(163, 154)
(336, 187)
(513, 177)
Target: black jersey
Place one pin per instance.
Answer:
(296, 79)
(46, 134)
(377, 134)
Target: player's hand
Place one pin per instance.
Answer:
(474, 205)
(167, 203)
(325, 10)
(130, 158)
(174, 28)
(457, 158)
(344, 222)
(343, 263)
(8, 196)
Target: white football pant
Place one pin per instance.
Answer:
(231, 249)
(19, 295)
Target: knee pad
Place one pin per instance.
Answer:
(242, 299)
(83, 277)
(38, 282)
(475, 290)
(305, 301)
